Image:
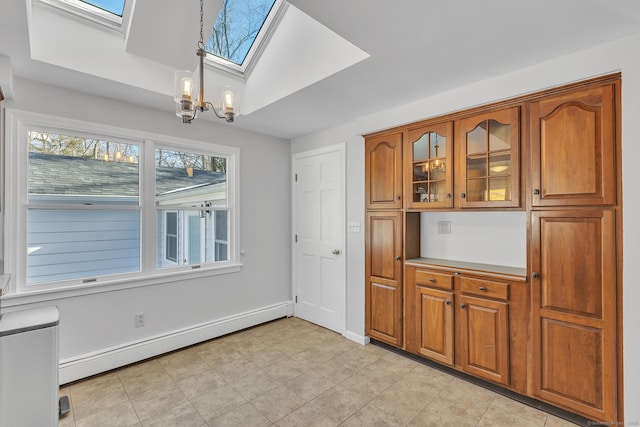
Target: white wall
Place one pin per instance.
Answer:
(622, 56)
(102, 324)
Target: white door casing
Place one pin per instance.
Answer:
(319, 267)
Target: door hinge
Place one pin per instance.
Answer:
(296, 178)
(296, 299)
(296, 238)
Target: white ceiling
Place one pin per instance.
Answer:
(367, 55)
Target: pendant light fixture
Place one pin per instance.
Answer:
(186, 106)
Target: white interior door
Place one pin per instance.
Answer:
(319, 260)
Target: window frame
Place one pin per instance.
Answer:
(17, 125)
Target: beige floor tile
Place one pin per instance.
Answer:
(310, 385)
(307, 415)
(183, 415)
(278, 403)
(215, 403)
(201, 383)
(285, 370)
(121, 415)
(497, 417)
(183, 364)
(438, 415)
(254, 385)
(371, 416)
(144, 377)
(553, 421)
(245, 416)
(265, 357)
(340, 403)
(220, 356)
(237, 369)
(87, 399)
(157, 400)
(402, 403)
(519, 409)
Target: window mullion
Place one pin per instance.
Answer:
(148, 211)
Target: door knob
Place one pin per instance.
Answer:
(336, 251)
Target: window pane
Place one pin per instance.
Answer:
(66, 169)
(236, 28)
(74, 244)
(113, 6)
(477, 139)
(421, 148)
(499, 136)
(190, 179)
(201, 237)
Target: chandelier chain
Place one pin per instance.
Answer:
(201, 42)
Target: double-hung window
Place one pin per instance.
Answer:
(88, 204)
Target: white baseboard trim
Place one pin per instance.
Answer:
(85, 365)
(360, 339)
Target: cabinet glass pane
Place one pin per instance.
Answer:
(500, 188)
(500, 164)
(499, 136)
(477, 190)
(437, 145)
(420, 171)
(437, 170)
(421, 148)
(420, 192)
(476, 167)
(437, 191)
(477, 139)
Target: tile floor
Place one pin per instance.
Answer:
(289, 373)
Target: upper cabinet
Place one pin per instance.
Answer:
(428, 155)
(488, 152)
(383, 171)
(573, 148)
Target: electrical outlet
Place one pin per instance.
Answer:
(139, 320)
(444, 227)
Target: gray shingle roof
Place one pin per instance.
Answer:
(52, 174)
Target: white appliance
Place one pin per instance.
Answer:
(29, 368)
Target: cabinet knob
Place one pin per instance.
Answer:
(432, 280)
(463, 195)
(535, 275)
(397, 197)
(447, 302)
(398, 258)
(448, 195)
(457, 273)
(463, 306)
(536, 191)
(483, 289)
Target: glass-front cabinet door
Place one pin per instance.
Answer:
(428, 154)
(488, 147)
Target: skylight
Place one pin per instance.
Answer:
(112, 6)
(238, 25)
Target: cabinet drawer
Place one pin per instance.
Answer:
(434, 280)
(484, 288)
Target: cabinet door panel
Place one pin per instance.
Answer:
(383, 265)
(383, 172)
(574, 310)
(488, 168)
(436, 334)
(573, 148)
(485, 338)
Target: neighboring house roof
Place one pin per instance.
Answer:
(60, 175)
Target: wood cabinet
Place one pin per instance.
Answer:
(573, 148)
(488, 168)
(428, 156)
(574, 310)
(463, 320)
(484, 329)
(383, 270)
(383, 171)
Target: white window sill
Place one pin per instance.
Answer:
(44, 295)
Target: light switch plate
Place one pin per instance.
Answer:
(353, 227)
(444, 227)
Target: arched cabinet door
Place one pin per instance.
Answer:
(383, 171)
(573, 140)
(488, 147)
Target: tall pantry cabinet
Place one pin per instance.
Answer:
(574, 216)
(383, 255)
